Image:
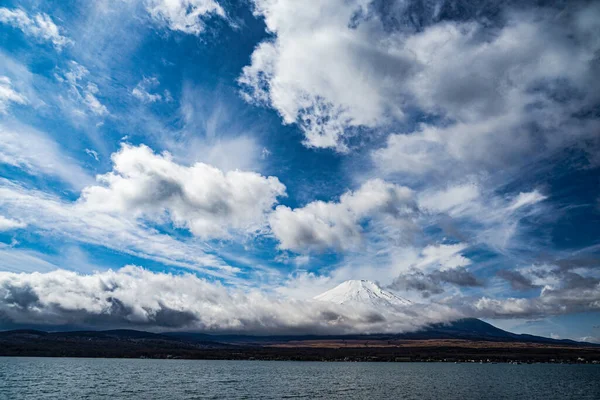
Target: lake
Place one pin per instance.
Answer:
(80, 378)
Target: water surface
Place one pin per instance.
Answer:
(81, 378)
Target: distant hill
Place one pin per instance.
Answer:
(465, 339)
(472, 329)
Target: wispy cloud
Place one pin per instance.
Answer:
(38, 154)
(8, 95)
(39, 26)
(50, 214)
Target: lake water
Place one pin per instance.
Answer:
(69, 378)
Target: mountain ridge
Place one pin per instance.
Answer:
(472, 329)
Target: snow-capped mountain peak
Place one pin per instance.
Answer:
(362, 292)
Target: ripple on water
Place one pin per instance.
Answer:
(91, 379)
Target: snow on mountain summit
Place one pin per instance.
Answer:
(362, 292)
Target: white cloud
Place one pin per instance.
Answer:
(213, 131)
(455, 199)
(322, 225)
(73, 221)
(27, 148)
(526, 198)
(321, 73)
(565, 289)
(133, 296)
(338, 66)
(143, 88)
(145, 187)
(491, 219)
(82, 91)
(9, 95)
(93, 154)
(207, 201)
(564, 301)
(40, 26)
(442, 257)
(186, 16)
(509, 98)
(7, 224)
(19, 260)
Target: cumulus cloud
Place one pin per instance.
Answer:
(339, 225)
(146, 188)
(322, 73)
(508, 94)
(82, 91)
(207, 201)
(136, 297)
(496, 81)
(8, 95)
(187, 16)
(39, 26)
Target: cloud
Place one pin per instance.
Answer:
(526, 198)
(9, 95)
(144, 189)
(72, 221)
(82, 91)
(433, 268)
(516, 280)
(40, 26)
(483, 215)
(564, 301)
(444, 257)
(187, 16)
(135, 297)
(561, 291)
(19, 260)
(93, 154)
(433, 283)
(344, 67)
(7, 224)
(507, 95)
(142, 90)
(25, 147)
(207, 201)
(320, 225)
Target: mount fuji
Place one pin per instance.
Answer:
(362, 292)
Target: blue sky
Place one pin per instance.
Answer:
(161, 154)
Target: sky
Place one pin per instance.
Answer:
(212, 165)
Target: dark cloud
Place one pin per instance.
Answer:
(171, 318)
(20, 296)
(516, 279)
(457, 276)
(417, 281)
(432, 283)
